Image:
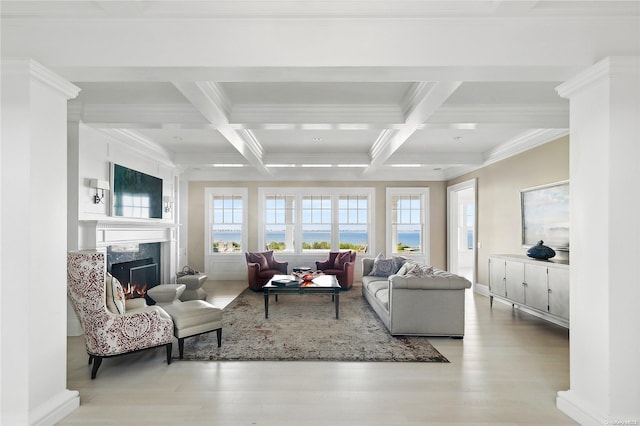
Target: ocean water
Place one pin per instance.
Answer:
(412, 239)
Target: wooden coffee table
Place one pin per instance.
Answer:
(322, 284)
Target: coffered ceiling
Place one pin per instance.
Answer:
(306, 90)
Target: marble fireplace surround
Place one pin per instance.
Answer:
(100, 234)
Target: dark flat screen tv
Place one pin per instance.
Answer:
(136, 194)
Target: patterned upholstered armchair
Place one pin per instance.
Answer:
(134, 326)
(261, 267)
(341, 264)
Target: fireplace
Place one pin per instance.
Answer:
(137, 267)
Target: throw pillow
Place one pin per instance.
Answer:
(421, 270)
(271, 261)
(115, 295)
(260, 259)
(341, 259)
(398, 261)
(407, 268)
(382, 267)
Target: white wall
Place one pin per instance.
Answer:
(96, 151)
(33, 277)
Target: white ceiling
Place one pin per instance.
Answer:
(314, 99)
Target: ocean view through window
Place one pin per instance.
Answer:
(226, 218)
(407, 220)
(316, 219)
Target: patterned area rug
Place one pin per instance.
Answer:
(304, 327)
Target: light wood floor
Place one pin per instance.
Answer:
(506, 370)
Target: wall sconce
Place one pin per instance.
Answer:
(99, 185)
(168, 203)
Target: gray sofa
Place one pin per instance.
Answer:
(432, 305)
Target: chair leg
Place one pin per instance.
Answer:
(90, 359)
(97, 360)
(219, 333)
(181, 346)
(169, 348)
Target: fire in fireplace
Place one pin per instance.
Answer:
(136, 277)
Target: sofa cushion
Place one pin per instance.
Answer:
(383, 297)
(115, 295)
(368, 279)
(374, 287)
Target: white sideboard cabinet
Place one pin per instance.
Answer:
(540, 286)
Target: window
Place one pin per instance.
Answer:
(226, 220)
(469, 217)
(353, 223)
(407, 224)
(279, 214)
(316, 222)
(303, 220)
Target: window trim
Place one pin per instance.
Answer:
(425, 235)
(233, 191)
(298, 193)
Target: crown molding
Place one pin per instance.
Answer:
(37, 71)
(251, 142)
(312, 9)
(215, 95)
(141, 113)
(532, 116)
(522, 143)
(613, 65)
(140, 144)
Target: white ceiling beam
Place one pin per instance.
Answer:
(121, 8)
(328, 158)
(439, 158)
(513, 8)
(477, 116)
(138, 115)
(428, 97)
(275, 74)
(207, 98)
(314, 113)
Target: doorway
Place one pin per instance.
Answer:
(461, 229)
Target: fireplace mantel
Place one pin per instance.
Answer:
(100, 234)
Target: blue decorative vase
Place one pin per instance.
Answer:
(540, 251)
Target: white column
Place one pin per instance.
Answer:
(605, 249)
(33, 278)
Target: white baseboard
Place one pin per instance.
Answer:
(481, 289)
(579, 410)
(55, 409)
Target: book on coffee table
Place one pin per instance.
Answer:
(286, 282)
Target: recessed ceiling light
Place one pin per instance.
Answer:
(316, 139)
(227, 165)
(353, 165)
(279, 165)
(178, 138)
(315, 165)
(457, 138)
